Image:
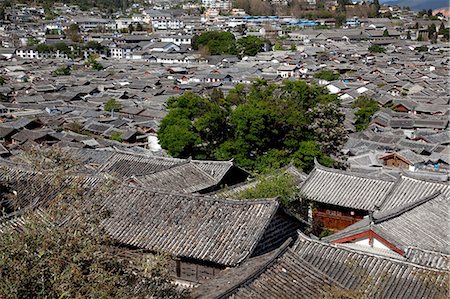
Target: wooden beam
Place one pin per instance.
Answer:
(386, 242)
(353, 237)
(370, 234)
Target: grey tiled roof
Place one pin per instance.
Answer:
(278, 274)
(313, 269)
(36, 188)
(428, 258)
(417, 224)
(341, 188)
(408, 190)
(186, 177)
(372, 276)
(203, 228)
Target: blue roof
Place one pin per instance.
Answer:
(304, 22)
(260, 17)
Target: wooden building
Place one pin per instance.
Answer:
(405, 159)
(335, 217)
(170, 174)
(202, 234)
(340, 198)
(391, 232)
(314, 269)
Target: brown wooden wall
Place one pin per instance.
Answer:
(194, 272)
(394, 161)
(336, 219)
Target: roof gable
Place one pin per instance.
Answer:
(413, 224)
(370, 275)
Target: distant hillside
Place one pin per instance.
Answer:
(418, 4)
(444, 11)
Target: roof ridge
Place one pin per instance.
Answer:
(409, 175)
(391, 191)
(186, 162)
(349, 173)
(193, 195)
(203, 171)
(117, 152)
(254, 274)
(395, 212)
(362, 252)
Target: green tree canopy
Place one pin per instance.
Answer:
(32, 41)
(62, 71)
(73, 33)
(117, 136)
(261, 126)
(62, 48)
(326, 74)
(112, 105)
(217, 42)
(280, 184)
(441, 29)
(366, 109)
(431, 30)
(446, 34)
(250, 45)
(94, 45)
(376, 49)
(93, 63)
(277, 47)
(44, 48)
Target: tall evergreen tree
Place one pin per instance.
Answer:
(341, 5)
(376, 3)
(431, 31)
(441, 29)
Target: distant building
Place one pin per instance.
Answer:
(353, 22)
(161, 20)
(217, 4)
(405, 159)
(87, 24)
(177, 39)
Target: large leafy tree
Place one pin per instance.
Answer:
(262, 126)
(376, 49)
(112, 105)
(250, 45)
(326, 74)
(221, 42)
(327, 126)
(217, 42)
(366, 108)
(73, 33)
